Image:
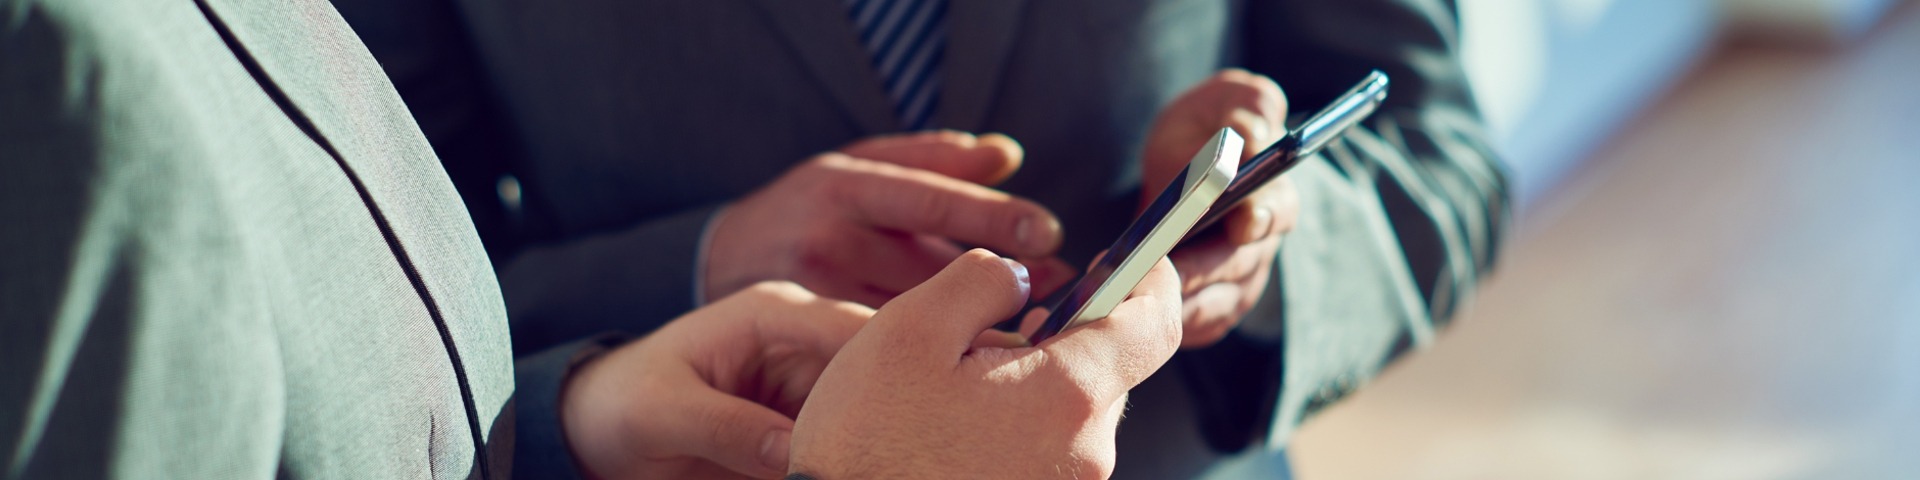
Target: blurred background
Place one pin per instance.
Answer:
(1715, 269)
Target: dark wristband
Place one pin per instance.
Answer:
(800, 476)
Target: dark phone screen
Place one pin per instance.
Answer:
(1264, 166)
(1075, 295)
(1329, 122)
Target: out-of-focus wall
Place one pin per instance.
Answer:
(1557, 77)
(1804, 21)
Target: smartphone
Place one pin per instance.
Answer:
(1320, 129)
(1174, 217)
(1151, 236)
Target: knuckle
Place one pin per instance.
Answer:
(782, 290)
(1244, 78)
(953, 137)
(1267, 86)
(823, 177)
(1078, 391)
(1164, 341)
(1089, 399)
(928, 204)
(1153, 338)
(983, 267)
(1251, 88)
(1088, 465)
(828, 161)
(1232, 75)
(724, 427)
(1209, 330)
(1009, 218)
(818, 249)
(826, 183)
(852, 310)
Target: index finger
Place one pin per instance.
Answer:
(985, 159)
(1120, 351)
(919, 201)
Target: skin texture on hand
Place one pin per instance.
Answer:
(880, 216)
(711, 394)
(1225, 272)
(924, 390)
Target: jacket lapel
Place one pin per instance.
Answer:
(823, 37)
(981, 35)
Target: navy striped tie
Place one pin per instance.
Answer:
(906, 39)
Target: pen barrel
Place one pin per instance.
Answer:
(1346, 111)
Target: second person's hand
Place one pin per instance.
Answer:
(880, 216)
(710, 395)
(926, 391)
(1224, 273)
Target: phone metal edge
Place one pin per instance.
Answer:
(1348, 110)
(1316, 132)
(1206, 180)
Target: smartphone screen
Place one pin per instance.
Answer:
(1096, 293)
(1079, 295)
(1153, 233)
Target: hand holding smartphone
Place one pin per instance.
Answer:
(1196, 200)
(1151, 236)
(1329, 123)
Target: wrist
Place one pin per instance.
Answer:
(703, 250)
(541, 442)
(575, 412)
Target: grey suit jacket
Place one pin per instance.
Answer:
(226, 251)
(627, 123)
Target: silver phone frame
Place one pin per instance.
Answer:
(1205, 178)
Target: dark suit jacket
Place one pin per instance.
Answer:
(627, 123)
(226, 251)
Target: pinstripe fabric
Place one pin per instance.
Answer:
(906, 39)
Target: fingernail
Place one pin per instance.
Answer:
(1035, 234)
(1262, 221)
(1020, 277)
(773, 451)
(1255, 128)
(1023, 231)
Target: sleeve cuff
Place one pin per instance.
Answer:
(539, 380)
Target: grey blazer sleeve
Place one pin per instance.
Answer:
(632, 280)
(629, 279)
(1399, 221)
(89, 288)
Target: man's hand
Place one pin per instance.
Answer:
(1224, 273)
(710, 395)
(880, 216)
(920, 392)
